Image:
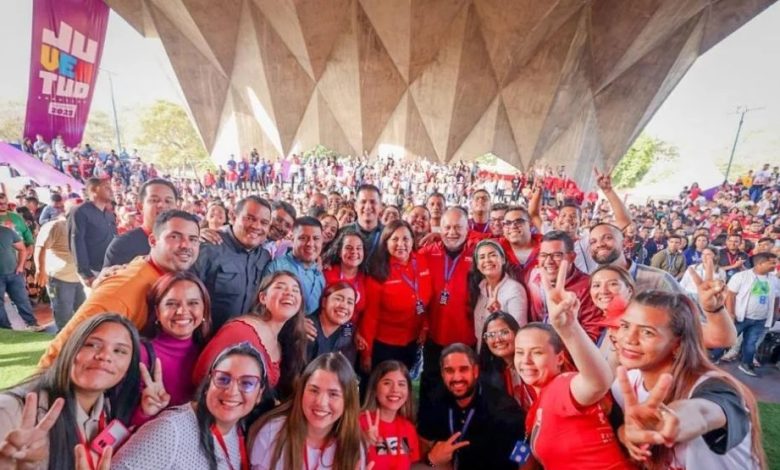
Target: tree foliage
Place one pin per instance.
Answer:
(11, 121)
(168, 138)
(643, 154)
(100, 132)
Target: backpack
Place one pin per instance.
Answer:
(768, 352)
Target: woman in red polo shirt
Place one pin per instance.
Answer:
(398, 292)
(567, 425)
(344, 261)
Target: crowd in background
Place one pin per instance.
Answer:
(257, 306)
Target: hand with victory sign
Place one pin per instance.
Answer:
(711, 291)
(493, 305)
(603, 180)
(29, 442)
(650, 422)
(154, 398)
(563, 307)
(373, 428)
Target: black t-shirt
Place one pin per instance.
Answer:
(497, 424)
(730, 401)
(126, 247)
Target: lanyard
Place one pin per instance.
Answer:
(473, 225)
(244, 464)
(83, 439)
(449, 270)
(414, 284)
(463, 431)
(306, 456)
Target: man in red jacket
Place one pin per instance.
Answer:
(450, 311)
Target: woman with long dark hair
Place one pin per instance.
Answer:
(333, 323)
(318, 427)
(681, 411)
(274, 327)
(92, 382)
(399, 289)
(178, 328)
(496, 358)
(345, 260)
(208, 432)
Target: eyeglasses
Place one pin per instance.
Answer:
(557, 256)
(515, 223)
(500, 334)
(246, 383)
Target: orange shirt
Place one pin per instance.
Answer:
(391, 312)
(124, 293)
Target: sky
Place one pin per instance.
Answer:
(699, 117)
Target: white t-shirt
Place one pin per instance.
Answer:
(263, 448)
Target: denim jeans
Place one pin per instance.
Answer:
(66, 298)
(751, 331)
(15, 285)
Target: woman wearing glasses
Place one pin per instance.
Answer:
(491, 288)
(207, 432)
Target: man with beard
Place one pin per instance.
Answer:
(671, 259)
(449, 315)
(480, 211)
(435, 205)
(156, 196)
(497, 219)
(91, 228)
(732, 259)
(470, 424)
(175, 243)
(519, 244)
(301, 260)
(368, 206)
(554, 248)
(232, 270)
(420, 220)
(283, 217)
(606, 242)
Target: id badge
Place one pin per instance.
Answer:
(521, 452)
(420, 307)
(762, 299)
(444, 297)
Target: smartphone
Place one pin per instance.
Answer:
(114, 435)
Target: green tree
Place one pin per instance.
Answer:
(643, 154)
(100, 132)
(168, 138)
(11, 121)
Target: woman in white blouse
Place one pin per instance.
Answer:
(204, 434)
(492, 289)
(708, 255)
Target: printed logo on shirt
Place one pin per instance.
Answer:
(393, 446)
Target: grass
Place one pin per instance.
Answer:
(19, 353)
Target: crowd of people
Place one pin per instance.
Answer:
(275, 315)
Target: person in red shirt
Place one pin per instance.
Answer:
(398, 296)
(345, 261)
(567, 423)
(450, 314)
(519, 244)
(555, 248)
(387, 419)
(480, 211)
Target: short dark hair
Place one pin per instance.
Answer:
(29, 199)
(763, 256)
(56, 197)
(499, 206)
(437, 194)
(256, 199)
(765, 240)
(368, 187)
(459, 348)
(674, 235)
(92, 183)
(480, 190)
(307, 221)
(286, 207)
(559, 235)
(162, 219)
(160, 181)
(573, 205)
(515, 209)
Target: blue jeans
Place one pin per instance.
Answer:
(15, 285)
(66, 298)
(751, 331)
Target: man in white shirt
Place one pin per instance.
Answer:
(752, 300)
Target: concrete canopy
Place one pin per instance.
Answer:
(533, 81)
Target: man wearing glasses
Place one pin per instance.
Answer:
(519, 244)
(557, 246)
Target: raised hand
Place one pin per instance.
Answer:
(711, 291)
(154, 398)
(562, 306)
(310, 329)
(373, 428)
(30, 442)
(603, 180)
(441, 453)
(493, 305)
(82, 460)
(650, 422)
(210, 236)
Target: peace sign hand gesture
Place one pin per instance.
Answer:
(562, 306)
(30, 442)
(373, 428)
(154, 398)
(493, 305)
(441, 453)
(603, 180)
(712, 292)
(82, 462)
(650, 422)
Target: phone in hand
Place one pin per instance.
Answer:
(114, 435)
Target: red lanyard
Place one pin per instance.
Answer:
(306, 456)
(83, 439)
(241, 447)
